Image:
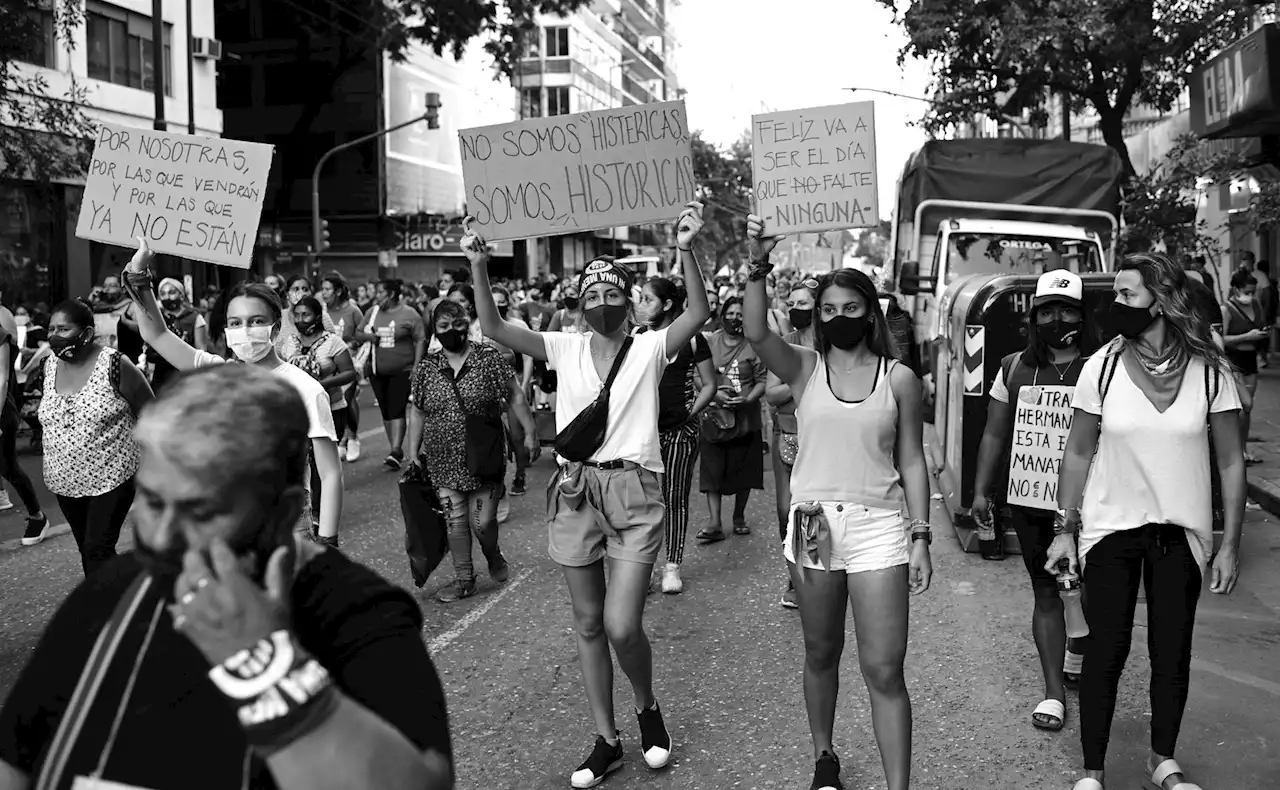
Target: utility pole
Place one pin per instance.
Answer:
(1066, 116)
(191, 77)
(157, 62)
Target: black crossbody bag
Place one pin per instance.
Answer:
(486, 440)
(581, 438)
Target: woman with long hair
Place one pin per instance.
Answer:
(732, 461)
(860, 427)
(569, 317)
(335, 296)
(250, 316)
(1134, 501)
(680, 402)
(606, 502)
(1059, 339)
(786, 443)
(1246, 336)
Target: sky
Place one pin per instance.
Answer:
(734, 64)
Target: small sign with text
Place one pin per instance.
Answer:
(194, 197)
(815, 169)
(1041, 424)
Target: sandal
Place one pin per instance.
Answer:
(708, 536)
(1162, 773)
(1051, 713)
(741, 528)
(1071, 668)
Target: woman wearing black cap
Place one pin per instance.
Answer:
(606, 500)
(861, 456)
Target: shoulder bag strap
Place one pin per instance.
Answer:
(1108, 373)
(617, 362)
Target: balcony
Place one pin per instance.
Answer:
(637, 90)
(649, 62)
(645, 16)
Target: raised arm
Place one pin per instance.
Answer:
(155, 332)
(695, 315)
(518, 338)
(780, 357)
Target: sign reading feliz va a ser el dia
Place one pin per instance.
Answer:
(1041, 424)
(586, 171)
(815, 169)
(195, 197)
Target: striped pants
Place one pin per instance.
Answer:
(679, 451)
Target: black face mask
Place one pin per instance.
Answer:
(571, 303)
(453, 340)
(845, 332)
(800, 319)
(606, 319)
(68, 347)
(503, 309)
(1127, 321)
(1059, 334)
(308, 328)
(733, 326)
(171, 305)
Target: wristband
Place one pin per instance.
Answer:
(1065, 524)
(758, 270)
(684, 249)
(279, 691)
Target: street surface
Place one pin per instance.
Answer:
(728, 662)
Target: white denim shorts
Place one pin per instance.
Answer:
(862, 538)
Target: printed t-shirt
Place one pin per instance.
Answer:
(632, 432)
(399, 330)
(1150, 468)
(314, 398)
(346, 319)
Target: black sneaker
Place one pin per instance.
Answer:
(604, 760)
(518, 487)
(826, 774)
(37, 530)
(655, 741)
(456, 591)
(500, 571)
(395, 460)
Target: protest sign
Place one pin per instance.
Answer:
(1041, 423)
(195, 197)
(568, 173)
(815, 169)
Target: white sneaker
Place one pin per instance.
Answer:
(671, 584)
(5, 504)
(353, 449)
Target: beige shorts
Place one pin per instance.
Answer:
(620, 517)
(862, 538)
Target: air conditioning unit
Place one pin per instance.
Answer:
(206, 48)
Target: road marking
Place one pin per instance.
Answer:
(1243, 678)
(469, 619)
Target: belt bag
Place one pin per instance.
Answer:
(585, 434)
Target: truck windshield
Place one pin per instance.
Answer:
(983, 253)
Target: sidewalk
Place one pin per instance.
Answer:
(1264, 479)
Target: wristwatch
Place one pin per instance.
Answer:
(921, 530)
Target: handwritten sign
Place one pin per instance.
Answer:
(196, 197)
(815, 169)
(566, 173)
(1041, 423)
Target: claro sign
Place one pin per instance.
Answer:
(1234, 93)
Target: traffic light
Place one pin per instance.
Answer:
(324, 235)
(433, 111)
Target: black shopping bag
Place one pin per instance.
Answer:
(425, 540)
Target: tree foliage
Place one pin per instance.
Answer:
(1001, 59)
(724, 176)
(1160, 206)
(43, 130)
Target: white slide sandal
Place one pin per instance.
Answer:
(1088, 784)
(1054, 710)
(1163, 771)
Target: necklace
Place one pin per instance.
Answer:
(603, 357)
(1063, 371)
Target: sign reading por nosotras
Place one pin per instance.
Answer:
(815, 169)
(1041, 424)
(566, 173)
(196, 197)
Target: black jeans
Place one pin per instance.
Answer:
(95, 522)
(9, 467)
(1157, 555)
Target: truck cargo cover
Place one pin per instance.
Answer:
(1026, 172)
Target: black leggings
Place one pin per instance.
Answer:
(9, 467)
(338, 416)
(95, 523)
(1158, 556)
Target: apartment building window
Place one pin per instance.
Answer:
(531, 103)
(43, 47)
(557, 101)
(558, 42)
(120, 48)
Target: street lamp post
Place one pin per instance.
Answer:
(1006, 119)
(431, 116)
(618, 66)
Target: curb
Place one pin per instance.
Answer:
(1266, 494)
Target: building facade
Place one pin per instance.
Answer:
(111, 57)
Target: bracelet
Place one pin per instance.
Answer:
(1064, 524)
(279, 691)
(684, 249)
(920, 525)
(758, 270)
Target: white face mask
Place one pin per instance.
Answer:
(1245, 298)
(249, 343)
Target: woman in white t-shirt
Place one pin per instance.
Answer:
(609, 505)
(1135, 487)
(253, 320)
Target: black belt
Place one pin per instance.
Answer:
(606, 464)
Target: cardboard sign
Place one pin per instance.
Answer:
(815, 169)
(568, 173)
(195, 197)
(1041, 423)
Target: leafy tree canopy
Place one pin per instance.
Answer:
(1000, 58)
(725, 178)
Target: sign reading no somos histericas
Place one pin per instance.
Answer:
(196, 197)
(1041, 424)
(587, 171)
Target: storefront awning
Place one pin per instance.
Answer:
(1235, 94)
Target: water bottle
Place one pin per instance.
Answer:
(1069, 592)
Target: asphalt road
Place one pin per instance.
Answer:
(728, 662)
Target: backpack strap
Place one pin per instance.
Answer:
(617, 362)
(1109, 364)
(1007, 366)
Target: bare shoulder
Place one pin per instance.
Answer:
(904, 381)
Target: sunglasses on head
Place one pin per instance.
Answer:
(810, 283)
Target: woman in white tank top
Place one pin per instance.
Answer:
(861, 456)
